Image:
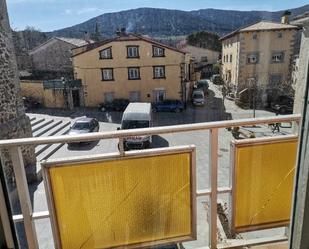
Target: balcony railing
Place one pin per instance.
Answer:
(28, 216)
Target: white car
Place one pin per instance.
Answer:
(198, 98)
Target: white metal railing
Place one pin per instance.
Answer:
(28, 216)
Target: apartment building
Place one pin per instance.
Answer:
(259, 56)
(132, 67)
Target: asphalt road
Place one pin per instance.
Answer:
(214, 110)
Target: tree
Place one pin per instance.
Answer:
(205, 39)
(96, 36)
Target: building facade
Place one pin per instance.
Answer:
(55, 55)
(132, 67)
(259, 56)
(202, 54)
(61, 93)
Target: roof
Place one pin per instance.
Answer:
(261, 26)
(73, 41)
(137, 111)
(126, 37)
(84, 120)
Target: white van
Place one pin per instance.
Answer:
(137, 115)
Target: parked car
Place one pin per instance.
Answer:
(115, 105)
(31, 103)
(168, 105)
(216, 79)
(202, 85)
(283, 104)
(198, 97)
(84, 125)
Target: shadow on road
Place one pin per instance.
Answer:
(84, 146)
(159, 142)
(213, 110)
(107, 117)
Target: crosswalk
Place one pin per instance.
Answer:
(46, 127)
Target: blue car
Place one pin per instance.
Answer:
(169, 106)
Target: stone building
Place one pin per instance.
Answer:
(53, 57)
(13, 121)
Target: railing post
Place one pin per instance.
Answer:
(121, 146)
(213, 160)
(24, 197)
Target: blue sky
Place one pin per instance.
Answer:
(48, 15)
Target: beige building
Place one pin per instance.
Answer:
(202, 54)
(65, 94)
(259, 55)
(132, 67)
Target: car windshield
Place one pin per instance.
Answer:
(81, 126)
(134, 124)
(198, 96)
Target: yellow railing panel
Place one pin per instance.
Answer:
(263, 184)
(123, 202)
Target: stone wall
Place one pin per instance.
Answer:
(13, 121)
(55, 55)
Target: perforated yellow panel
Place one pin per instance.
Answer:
(264, 184)
(123, 202)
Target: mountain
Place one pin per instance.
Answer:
(165, 22)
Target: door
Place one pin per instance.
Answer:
(159, 95)
(109, 97)
(76, 98)
(135, 96)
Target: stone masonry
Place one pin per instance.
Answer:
(13, 121)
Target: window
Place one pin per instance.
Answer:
(109, 97)
(231, 57)
(135, 96)
(159, 95)
(277, 57)
(204, 59)
(223, 58)
(107, 74)
(132, 52)
(275, 80)
(254, 36)
(158, 52)
(279, 35)
(133, 73)
(253, 58)
(106, 53)
(158, 72)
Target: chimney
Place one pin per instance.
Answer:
(87, 37)
(285, 17)
(121, 32)
(118, 32)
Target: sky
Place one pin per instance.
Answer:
(48, 15)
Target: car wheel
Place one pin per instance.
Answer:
(282, 110)
(177, 110)
(154, 110)
(103, 109)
